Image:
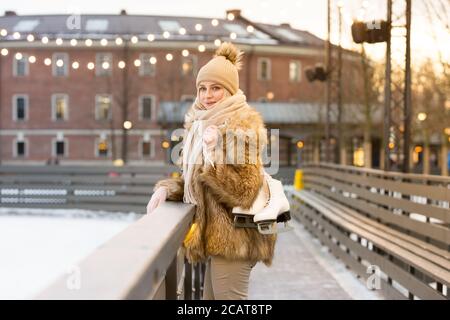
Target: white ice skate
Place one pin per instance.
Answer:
(266, 211)
(277, 210)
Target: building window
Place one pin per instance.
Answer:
(20, 147)
(60, 148)
(20, 66)
(97, 25)
(147, 68)
(264, 69)
(60, 107)
(295, 71)
(189, 66)
(20, 106)
(146, 149)
(103, 63)
(26, 25)
(60, 64)
(146, 107)
(103, 103)
(169, 25)
(187, 98)
(102, 147)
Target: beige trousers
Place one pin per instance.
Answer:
(226, 279)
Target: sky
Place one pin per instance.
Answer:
(301, 14)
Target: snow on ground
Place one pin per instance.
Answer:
(38, 245)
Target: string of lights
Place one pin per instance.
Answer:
(8, 36)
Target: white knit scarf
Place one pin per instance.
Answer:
(197, 119)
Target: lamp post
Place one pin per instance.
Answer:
(1, 62)
(298, 178)
(421, 117)
(125, 101)
(300, 145)
(397, 112)
(340, 143)
(328, 86)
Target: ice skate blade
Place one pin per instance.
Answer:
(244, 221)
(271, 227)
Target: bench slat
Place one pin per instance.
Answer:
(387, 230)
(421, 178)
(430, 256)
(401, 276)
(379, 199)
(83, 180)
(433, 231)
(387, 290)
(88, 206)
(419, 263)
(82, 169)
(125, 189)
(427, 191)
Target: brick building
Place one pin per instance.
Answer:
(91, 89)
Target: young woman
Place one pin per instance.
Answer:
(216, 187)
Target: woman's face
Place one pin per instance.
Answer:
(209, 93)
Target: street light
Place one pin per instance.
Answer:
(165, 144)
(127, 125)
(422, 116)
(118, 163)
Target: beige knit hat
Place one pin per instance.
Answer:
(223, 68)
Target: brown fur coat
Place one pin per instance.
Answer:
(217, 190)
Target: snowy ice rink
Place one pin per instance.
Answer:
(38, 245)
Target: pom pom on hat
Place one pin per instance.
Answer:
(223, 67)
(231, 53)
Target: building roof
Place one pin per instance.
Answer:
(278, 112)
(108, 26)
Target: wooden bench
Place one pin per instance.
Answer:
(396, 225)
(107, 188)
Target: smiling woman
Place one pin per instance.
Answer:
(215, 183)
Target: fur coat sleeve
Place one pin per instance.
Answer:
(175, 188)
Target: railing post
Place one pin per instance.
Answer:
(187, 280)
(171, 280)
(197, 280)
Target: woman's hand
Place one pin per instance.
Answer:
(158, 197)
(210, 137)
